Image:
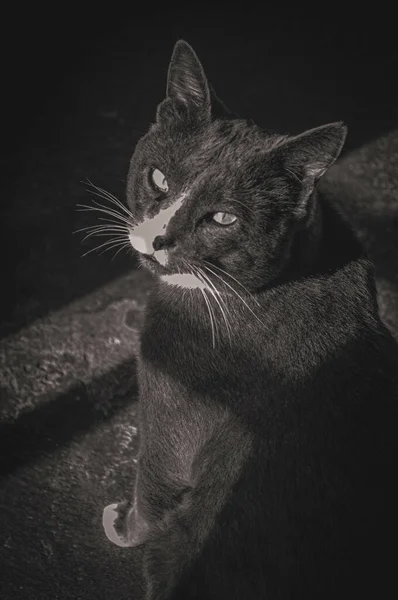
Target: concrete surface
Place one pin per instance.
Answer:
(68, 436)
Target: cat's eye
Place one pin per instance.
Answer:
(223, 218)
(158, 180)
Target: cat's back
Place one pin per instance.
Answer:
(312, 513)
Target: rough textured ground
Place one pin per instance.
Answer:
(68, 436)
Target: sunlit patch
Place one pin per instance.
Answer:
(184, 280)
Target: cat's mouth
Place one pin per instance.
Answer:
(151, 258)
(150, 262)
(153, 264)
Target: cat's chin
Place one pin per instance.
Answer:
(149, 259)
(153, 265)
(173, 275)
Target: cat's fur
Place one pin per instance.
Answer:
(268, 454)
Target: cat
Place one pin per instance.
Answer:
(268, 383)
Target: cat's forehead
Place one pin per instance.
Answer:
(227, 139)
(221, 148)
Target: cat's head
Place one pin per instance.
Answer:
(215, 196)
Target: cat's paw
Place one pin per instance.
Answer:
(124, 530)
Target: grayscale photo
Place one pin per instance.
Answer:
(199, 306)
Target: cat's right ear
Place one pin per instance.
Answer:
(308, 156)
(188, 92)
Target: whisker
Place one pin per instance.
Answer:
(107, 227)
(97, 226)
(209, 303)
(120, 249)
(104, 219)
(211, 317)
(100, 208)
(232, 277)
(111, 221)
(107, 243)
(103, 209)
(101, 193)
(213, 290)
(238, 295)
(111, 229)
(100, 227)
(115, 245)
(98, 188)
(217, 291)
(192, 270)
(103, 233)
(112, 211)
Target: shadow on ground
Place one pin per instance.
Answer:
(38, 432)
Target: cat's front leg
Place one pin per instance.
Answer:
(165, 559)
(124, 524)
(158, 489)
(179, 537)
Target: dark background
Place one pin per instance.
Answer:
(79, 88)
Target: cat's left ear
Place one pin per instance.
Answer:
(187, 84)
(307, 156)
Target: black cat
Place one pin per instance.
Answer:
(268, 383)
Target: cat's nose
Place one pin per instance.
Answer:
(160, 242)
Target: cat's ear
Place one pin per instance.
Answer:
(307, 156)
(186, 80)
